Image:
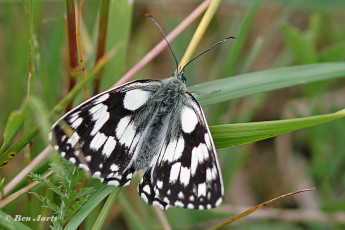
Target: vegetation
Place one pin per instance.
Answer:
(284, 73)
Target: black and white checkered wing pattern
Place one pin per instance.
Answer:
(100, 135)
(186, 172)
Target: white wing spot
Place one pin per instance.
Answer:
(63, 154)
(110, 175)
(201, 207)
(128, 135)
(202, 189)
(121, 126)
(114, 167)
(73, 117)
(194, 161)
(208, 174)
(101, 116)
(169, 152)
(209, 195)
(201, 152)
(180, 195)
(129, 176)
(84, 166)
(179, 149)
(178, 204)
(143, 196)
(88, 158)
(208, 140)
(135, 98)
(190, 206)
(113, 182)
(102, 98)
(214, 172)
(174, 172)
(219, 201)
(72, 160)
(184, 176)
(98, 141)
(109, 146)
(188, 120)
(97, 174)
(147, 189)
(209, 206)
(73, 139)
(76, 123)
(159, 184)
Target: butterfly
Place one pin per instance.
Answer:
(156, 125)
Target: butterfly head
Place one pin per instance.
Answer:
(179, 74)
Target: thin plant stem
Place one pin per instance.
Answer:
(20, 192)
(101, 41)
(162, 218)
(205, 21)
(251, 210)
(30, 167)
(80, 48)
(74, 70)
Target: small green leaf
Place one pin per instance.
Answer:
(301, 46)
(14, 123)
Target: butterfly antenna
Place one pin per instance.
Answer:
(163, 34)
(208, 50)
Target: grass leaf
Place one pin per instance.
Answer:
(237, 134)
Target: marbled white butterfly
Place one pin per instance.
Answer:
(152, 124)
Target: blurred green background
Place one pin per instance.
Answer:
(274, 34)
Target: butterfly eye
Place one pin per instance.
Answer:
(183, 78)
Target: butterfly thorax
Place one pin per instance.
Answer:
(166, 101)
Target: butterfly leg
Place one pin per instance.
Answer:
(205, 93)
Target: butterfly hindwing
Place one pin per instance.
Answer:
(186, 172)
(102, 134)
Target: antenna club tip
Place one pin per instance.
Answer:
(147, 15)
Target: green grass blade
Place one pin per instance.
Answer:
(234, 55)
(263, 81)
(237, 134)
(88, 207)
(106, 209)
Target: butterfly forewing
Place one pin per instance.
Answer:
(185, 173)
(101, 135)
